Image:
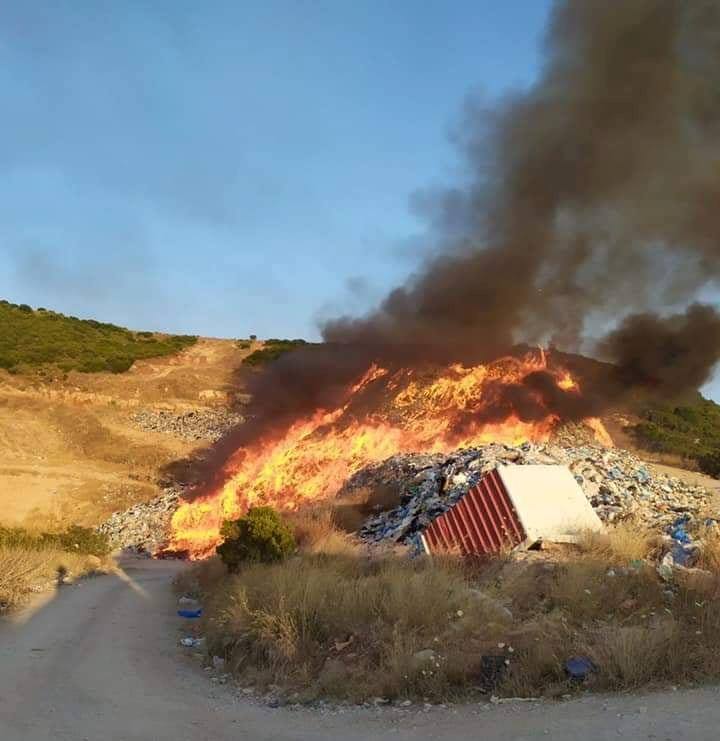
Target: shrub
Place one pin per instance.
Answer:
(691, 432)
(84, 540)
(119, 365)
(272, 350)
(710, 464)
(260, 536)
(354, 627)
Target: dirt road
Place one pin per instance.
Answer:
(100, 661)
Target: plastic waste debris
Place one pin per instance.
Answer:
(642, 475)
(678, 531)
(579, 667)
(190, 642)
(190, 614)
(681, 555)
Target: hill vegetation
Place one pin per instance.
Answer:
(36, 338)
(272, 350)
(691, 431)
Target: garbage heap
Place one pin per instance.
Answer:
(143, 527)
(616, 482)
(196, 424)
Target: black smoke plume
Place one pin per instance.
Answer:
(594, 196)
(593, 201)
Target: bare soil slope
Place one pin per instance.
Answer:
(70, 449)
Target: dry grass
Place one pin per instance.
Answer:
(27, 570)
(619, 545)
(710, 553)
(350, 626)
(335, 621)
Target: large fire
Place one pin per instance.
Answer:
(384, 413)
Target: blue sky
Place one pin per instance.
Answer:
(225, 168)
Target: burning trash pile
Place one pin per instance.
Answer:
(143, 527)
(616, 483)
(381, 413)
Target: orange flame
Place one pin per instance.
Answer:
(312, 459)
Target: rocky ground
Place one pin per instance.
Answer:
(198, 424)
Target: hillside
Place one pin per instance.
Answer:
(684, 430)
(38, 338)
(76, 446)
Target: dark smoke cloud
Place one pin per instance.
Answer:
(594, 200)
(669, 353)
(594, 195)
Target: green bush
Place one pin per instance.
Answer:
(272, 350)
(33, 339)
(118, 365)
(691, 431)
(710, 464)
(84, 540)
(260, 536)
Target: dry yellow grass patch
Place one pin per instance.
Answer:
(622, 544)
(24, 571)
(350, 626)
(710, 553)
(337, 621)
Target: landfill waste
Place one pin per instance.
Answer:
(190, 614)
(144, 527)
(616, 482)
(197, 424)
(683, 550)
(579, 667)
(190, 642)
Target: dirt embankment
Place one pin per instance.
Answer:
(73, 448)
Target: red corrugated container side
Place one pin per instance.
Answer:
(483, 521)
